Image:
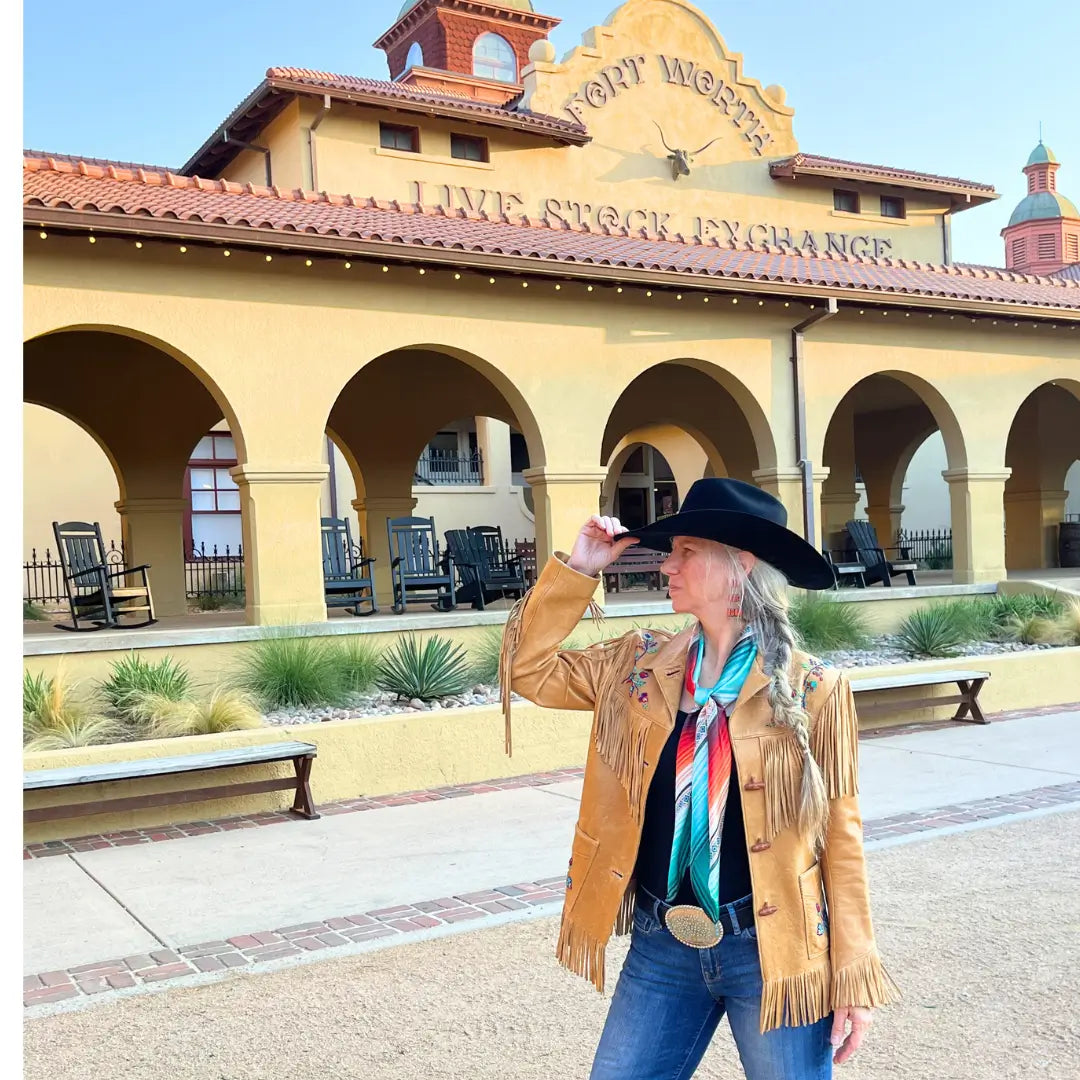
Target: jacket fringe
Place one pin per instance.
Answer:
(834, 742)
(619, 734)
(624, 920)
(795, 1000)
(510, 641)
(783, 766)
(864, 982)
(581, 953)
(508, 649)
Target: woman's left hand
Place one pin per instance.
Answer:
(860, 1020)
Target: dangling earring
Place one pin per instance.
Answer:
(734, 606)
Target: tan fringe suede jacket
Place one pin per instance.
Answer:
(633, 685)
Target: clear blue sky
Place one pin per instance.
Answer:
(957, 89)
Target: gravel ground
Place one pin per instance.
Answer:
(979, 928)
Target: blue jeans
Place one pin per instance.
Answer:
(670, 998)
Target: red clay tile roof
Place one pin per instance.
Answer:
(79, 195)
(104, 162)
(263, 103)
(787, 168)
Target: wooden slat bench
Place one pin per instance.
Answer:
(301, 754)
(634, 562)
(969, 683)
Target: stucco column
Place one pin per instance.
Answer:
(493, 441)
(837, 509)
(563, 501)
(821, 475)
(786, 485)
(283, 577)
(152, 532)
(373, 512)
(978, 524)
(886, 521)
(1031, 521)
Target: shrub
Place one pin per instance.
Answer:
(74, 729)
(359, 662)
(822, 623)
(426, 671)
(283, 670)
(208, 601)
(1069, 623)
(1034, 629)
(485, 657)
(32, 612)
(931, 631)
(132, 676)
(54, 720)
(226, 710)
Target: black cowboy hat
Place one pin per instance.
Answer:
(743, 516)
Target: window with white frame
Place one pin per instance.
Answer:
(213, 515)
(493, 58)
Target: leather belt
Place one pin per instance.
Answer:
(734, 917)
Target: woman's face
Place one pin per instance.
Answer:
(699, 578)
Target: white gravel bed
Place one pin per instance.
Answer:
(886, 650)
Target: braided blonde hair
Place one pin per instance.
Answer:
(765, 606)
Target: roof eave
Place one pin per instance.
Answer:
(962, 196)
(447, 109)
(269, 87)
(105, 224)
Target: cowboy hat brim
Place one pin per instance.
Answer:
(802, 565)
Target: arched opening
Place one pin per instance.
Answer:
(148, 408)
(1043, 491)
(430, 432)
(887, 443)
(674, 424)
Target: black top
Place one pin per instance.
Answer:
(658, 833)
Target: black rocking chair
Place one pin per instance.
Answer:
(872, 555)
(417, 569)
(504, 571)
(97, 590)
(347, 576)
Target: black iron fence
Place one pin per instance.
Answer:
(209, 575)
(931, 548)
(449, 467)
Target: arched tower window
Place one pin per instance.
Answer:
(494, 59)
(415, 57)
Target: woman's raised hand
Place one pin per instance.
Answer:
(596, 546)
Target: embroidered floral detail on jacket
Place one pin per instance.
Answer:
(821, 921)
(638, 680)
(814, 669)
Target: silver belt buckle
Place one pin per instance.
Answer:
(692, 926)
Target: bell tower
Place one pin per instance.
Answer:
(1043, 234)
(464, 47)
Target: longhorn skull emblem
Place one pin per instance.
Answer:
(681, 159)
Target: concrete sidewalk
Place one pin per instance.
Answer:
(147, 902)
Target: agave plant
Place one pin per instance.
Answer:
(930, 631)
(436, 668)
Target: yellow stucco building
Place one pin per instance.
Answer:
(622, 248)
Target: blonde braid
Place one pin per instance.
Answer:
(765, 608)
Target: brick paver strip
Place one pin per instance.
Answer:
(400, 920)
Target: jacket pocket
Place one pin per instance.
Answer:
(582, 856)
(815, 919)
